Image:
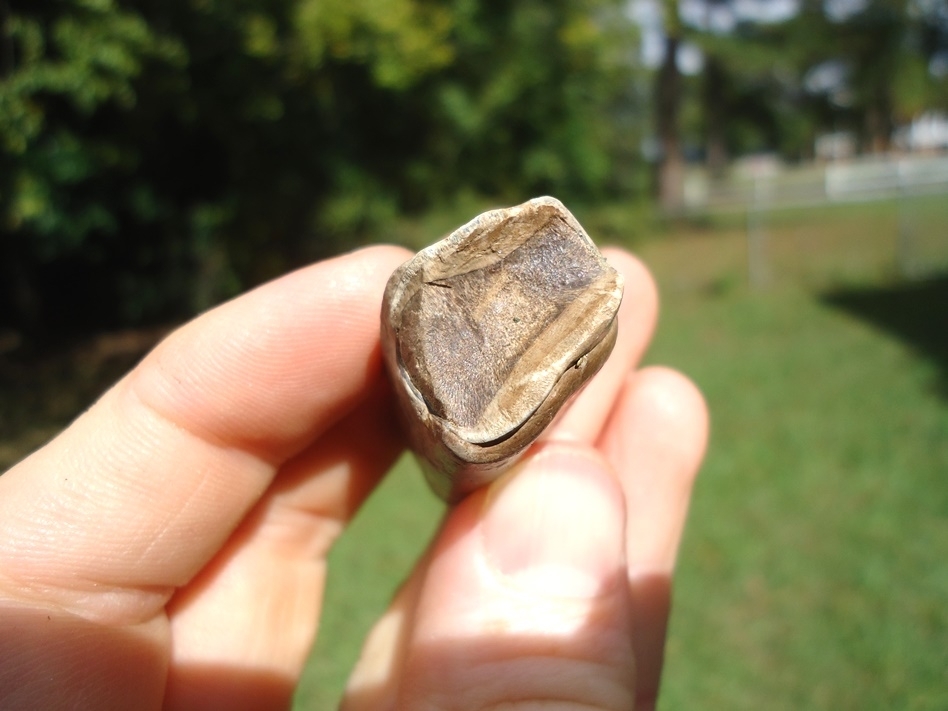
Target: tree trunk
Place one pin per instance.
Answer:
(6, 42)
(878, 127)
(715, 82)
(667, 93)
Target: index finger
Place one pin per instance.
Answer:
(133, 498)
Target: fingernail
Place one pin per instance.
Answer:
(554, 525)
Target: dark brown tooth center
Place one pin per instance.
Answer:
(471, 328)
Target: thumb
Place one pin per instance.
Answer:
(525, 598)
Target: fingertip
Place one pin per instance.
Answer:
(525, 600)
(384, 251)
(641, 289)
(675, 406)
(555, 523)
(656, 439)
(379, 259)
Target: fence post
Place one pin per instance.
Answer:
(757, 267)
(903, 246)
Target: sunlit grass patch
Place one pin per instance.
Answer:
(813, 572)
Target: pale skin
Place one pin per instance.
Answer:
(168, 550)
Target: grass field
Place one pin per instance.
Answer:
(814, 574)
(815, 570)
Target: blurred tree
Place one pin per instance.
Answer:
(864, 67)
(157, 155)
(715, 90)
(870, 66)
(885, 50)
(536, 87)
(67, 68)
(668, 99)
(774, 83)
(750, 92)
(747, 98)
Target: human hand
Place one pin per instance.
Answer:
(169, 548)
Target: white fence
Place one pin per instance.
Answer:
(763, 185)
(764, 182)
(877, 179)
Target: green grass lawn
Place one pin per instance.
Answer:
(366, 565)
(814, 573)
(815, 569)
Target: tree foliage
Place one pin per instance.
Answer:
(865, 68)
(159, 154)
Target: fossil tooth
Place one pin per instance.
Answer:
(487, 333)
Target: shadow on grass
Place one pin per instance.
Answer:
(916, 314)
